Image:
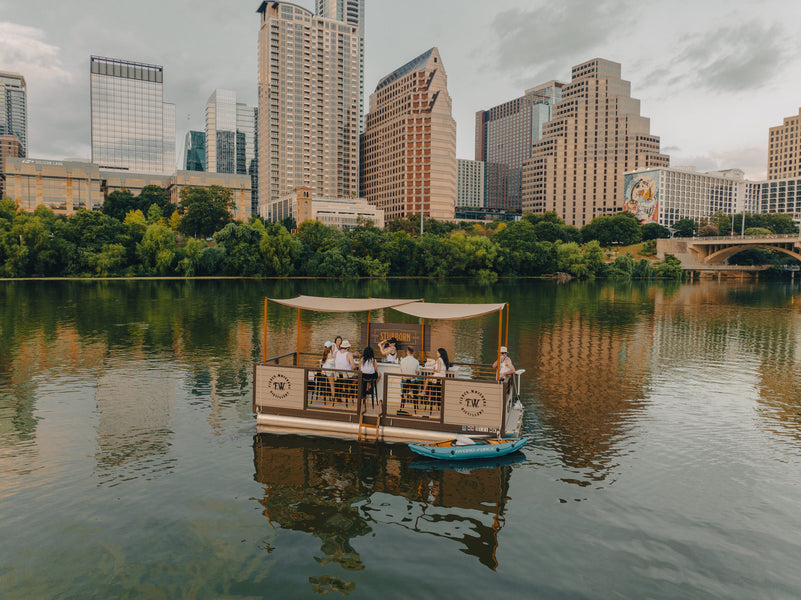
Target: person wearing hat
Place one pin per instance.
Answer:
(344, 362)
(506, 364)
(389, 349)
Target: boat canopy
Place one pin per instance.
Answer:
(339, 305)
(446, 311)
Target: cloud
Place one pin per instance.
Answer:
(24, 51)
(728, 59)
(751, 159)
(547, 34)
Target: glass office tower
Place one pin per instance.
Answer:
(132, 127)
(195, 151)
(14, 108)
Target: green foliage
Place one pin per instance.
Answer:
(118, 204)
(758, 231)
(204, 210)
(684, 227)
(708, 231)
(156, 251)
(654, 231)
(621, 228)
(648, 248)
(670, 268)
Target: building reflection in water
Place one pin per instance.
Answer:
(588, 370)
(338, 491)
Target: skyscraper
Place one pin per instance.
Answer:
(195, 151)
(596, 134)
(348, 11)
(308, 118)
(784, 149)
(14, 108)
(230, 134)
(132, 127)
(504, 137)
(408, 149)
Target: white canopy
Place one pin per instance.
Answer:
(326, 304)
(440, 310)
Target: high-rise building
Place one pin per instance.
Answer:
(504, 137)
(348, 11)
(14, 108)
(132, 127)
(308, 118)
(596, 134)
(195, 151)
(784, 149)
(10, 147)
(408, 149)
(230, 134)
(471, 183)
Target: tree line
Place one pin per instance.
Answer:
(148, 235)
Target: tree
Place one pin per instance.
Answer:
(709, 230)
(278, 249)
(684, 227)
(241, 244)
(157, 250)
(205, 210)
(118, 204)
(155, 195)
(654, 231)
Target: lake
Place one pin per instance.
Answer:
(664, 458)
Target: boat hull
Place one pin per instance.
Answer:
(481, 449)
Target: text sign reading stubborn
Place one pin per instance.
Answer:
(280, 387)
(407, 334)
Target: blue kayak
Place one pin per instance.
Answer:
(464, 449)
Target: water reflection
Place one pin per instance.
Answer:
(338, 491)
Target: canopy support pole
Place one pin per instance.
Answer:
(423, 340)
(506, 337)
(264, 342)
(297, 347)
(367, 343)
(500, 343)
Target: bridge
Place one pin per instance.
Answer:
(713, 253)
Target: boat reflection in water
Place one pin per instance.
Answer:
(339, 490)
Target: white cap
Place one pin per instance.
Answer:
(504, 350)
(328, 344)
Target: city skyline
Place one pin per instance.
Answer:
(713, 79)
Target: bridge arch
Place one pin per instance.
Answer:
(719, 257)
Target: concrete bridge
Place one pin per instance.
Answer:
(713, 253)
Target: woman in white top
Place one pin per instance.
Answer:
(328, 363)
(389, 349)
(344, 362)
(432, 390)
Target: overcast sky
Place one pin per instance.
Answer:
(712, 75)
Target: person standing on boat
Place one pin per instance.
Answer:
(409, 365)
(389, 349)
(368, 367)
(344, 362)
(433, 389)
(328, 363)
(337, 343)
(507, 367)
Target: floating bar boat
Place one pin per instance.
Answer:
(292, 393)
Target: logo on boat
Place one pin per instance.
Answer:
(472, 403)
(279, 386)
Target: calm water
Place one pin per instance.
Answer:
(664, 457)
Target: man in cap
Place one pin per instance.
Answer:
(507, 367)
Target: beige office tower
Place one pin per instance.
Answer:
(408, 158)
(784, 149)
(596, 134)
(308, 121)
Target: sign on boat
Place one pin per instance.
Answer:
(293, 393)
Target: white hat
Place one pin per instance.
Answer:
(328, 344)
(504, 350)
(345, 344)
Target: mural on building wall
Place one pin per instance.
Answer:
(642, 197)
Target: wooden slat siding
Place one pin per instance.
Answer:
(476, 405)
(288, 389)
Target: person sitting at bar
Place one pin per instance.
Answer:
(368, 367)
(507, 367)
(409, 365)
(389, 350)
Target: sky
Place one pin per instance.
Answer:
(712, 75)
